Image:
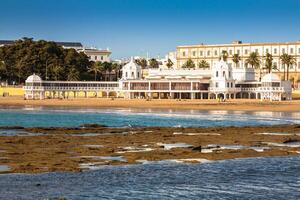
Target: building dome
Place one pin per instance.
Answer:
(270, 78)
(33, 78)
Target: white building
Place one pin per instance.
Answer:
(221, 82)
(212, 52)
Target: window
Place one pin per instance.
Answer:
(138, 74)
(231, 84)
(223, 73)
(201, 53)
(183, 54)
(96, 57)
(292, 50)
(298, 65)
(216, 52)
(126, 74)
(217, 73)
(246, 51)
(132, 74)
(208, 53)
(275, 64)
(256, 50)
(275, 51)
(283, 50)
(217, 85)
(101, 57)
(194, 53)
(229, 74)
(238, 51)
(267, 51)
(228, 84)
(299, 50)
(230, 52)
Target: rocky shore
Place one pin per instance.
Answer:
(37, 150)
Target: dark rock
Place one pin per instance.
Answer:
(198, 148)
(92, 126)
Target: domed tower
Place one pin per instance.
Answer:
(33, 88)
(222, 84)
(131, 71)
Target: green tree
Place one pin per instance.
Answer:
(96, 68)
(224, 55)
(189, 64)
(56, 71)
(153, 63)
(203, 64)
(254, 61)
(236, 59)
(169, 63)
(142, 62)
(73, 74)
(287, 61)
(117, 69)
(269, 63)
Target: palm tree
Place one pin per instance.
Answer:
(142, 62)
(96, 68)
(107, 67)
(56, 70)
(287, 60)
(254, 61)
(116, 68)
(236, 59)
(73, 74)
(224, 55)
(153, 63)
(189, 64)
(169, 63)
(269, 63)
(203, 64)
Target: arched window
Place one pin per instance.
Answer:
(217, 73)
(126, 74)
(138, 74)
(132, 74)
(223, 73)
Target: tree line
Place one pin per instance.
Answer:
(50, 61)
(253, 60)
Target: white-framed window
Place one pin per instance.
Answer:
(138, 74)
(283, 50)
(238, 51)
(256, 50)
(132, 74)
(201, 53)
(217, 73)
(183, 53)
(101, 57)
(246, 51)
(230, 52)
(299, 50)
(223, 73)
(217, 85)
(194, 53)
(267, 51)
(208, 53)
(298, 65)
(292, 50)
(126, 74)
(96, 57)
(216, 52)
(275, 51)
(228, 84)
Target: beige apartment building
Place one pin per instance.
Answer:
(212, 52)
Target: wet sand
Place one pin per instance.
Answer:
(212, 104)
(77, 149)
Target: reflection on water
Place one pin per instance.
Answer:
(129, 117)
(252, 178)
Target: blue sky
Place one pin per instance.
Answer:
(135, 27)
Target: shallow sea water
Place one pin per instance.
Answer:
(120, 117)
(252, 178)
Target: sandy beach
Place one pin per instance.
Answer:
(237, 104)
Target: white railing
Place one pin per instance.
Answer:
(216, 89)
